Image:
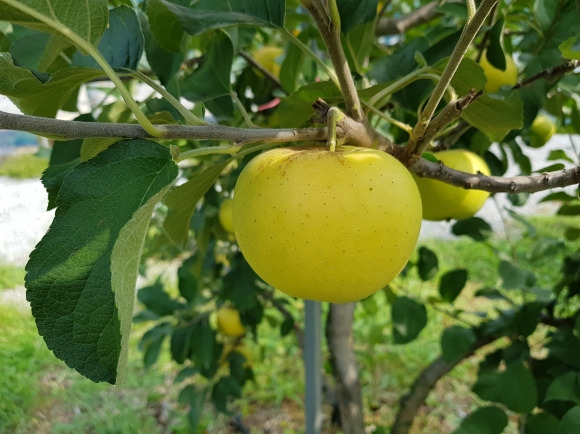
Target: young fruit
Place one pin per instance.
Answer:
(266, 57)
(328, 226)
(225, 215)
(443, 201)
(496, 78)
(229, 323)
(541, 130)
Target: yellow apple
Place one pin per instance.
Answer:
(443, 201)
(496, 78)
(541, 130)
(266, 57)
(229, 322)
(328, 226)
(225, 215)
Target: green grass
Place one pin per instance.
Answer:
(22, 166)
(11, 276)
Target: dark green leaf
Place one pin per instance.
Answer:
(541, 423)
(494, 53)
(456, 341)
(354, 13)
(527, 317)
(518, 388)
(484, 420)
(157, 300)
(570, 423)
(572, 233)
(205, 350)
(559, 154)
(491, 293)
(212, 78)
(216, 14)
(569, 210)
(451, 284)
(287, 326)
(474, 227)
(165, 26)
(240, 285)
(296, 109)
(181, 340)
(195, 396)
(223, 390)
(81, 276)
(409, 317)
(427, 263)
(121, 44)
(187, 279)
(151, 342)
(559, 196)
(564, 388)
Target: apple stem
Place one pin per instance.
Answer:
(334, 116)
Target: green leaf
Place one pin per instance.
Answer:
(456, 341)
(518, 388)
(564, 388)
(569, 210)
(409, 318)
(451, 284)
(512, 277)
(216, 14)
(240, 285)
(44, 96)
(182, 201)
(570, 423)
(165, 26)
(296, 109)
(223, 390)
(493, 116)
(81, 276)
(427, 264)
(151, 342)
(570, 48)
(541, 423)
(195, 396)
(354, 13)
(484, 420)
(157, 300)
(494, 53)
(474, 227)
(181, 339)
(121, 44)
(212, 79)
(58, 17)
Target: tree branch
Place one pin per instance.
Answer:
(497, 184)
(330, 32)
(415, 144)
(395, 26)
(550, 74)
(423, 385)
(82, 130)
(352, 132)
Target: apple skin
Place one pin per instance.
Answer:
(266, 57)
(229, 322)
(541, 130)
(225, 215)
(327, 226)
(443, 201)
(496, 78)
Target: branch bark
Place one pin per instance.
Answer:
(330, 32)
(343, 360)
(395, 26)
(424, 383)
(354, 133)
(498, 184)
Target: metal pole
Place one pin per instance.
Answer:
(313, 366)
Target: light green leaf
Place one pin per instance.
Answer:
(570, 48)
(216, 14)
(41, 95)
(81, 276)
(87, 19)
(182, 201)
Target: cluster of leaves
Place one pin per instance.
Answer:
(81, 277)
